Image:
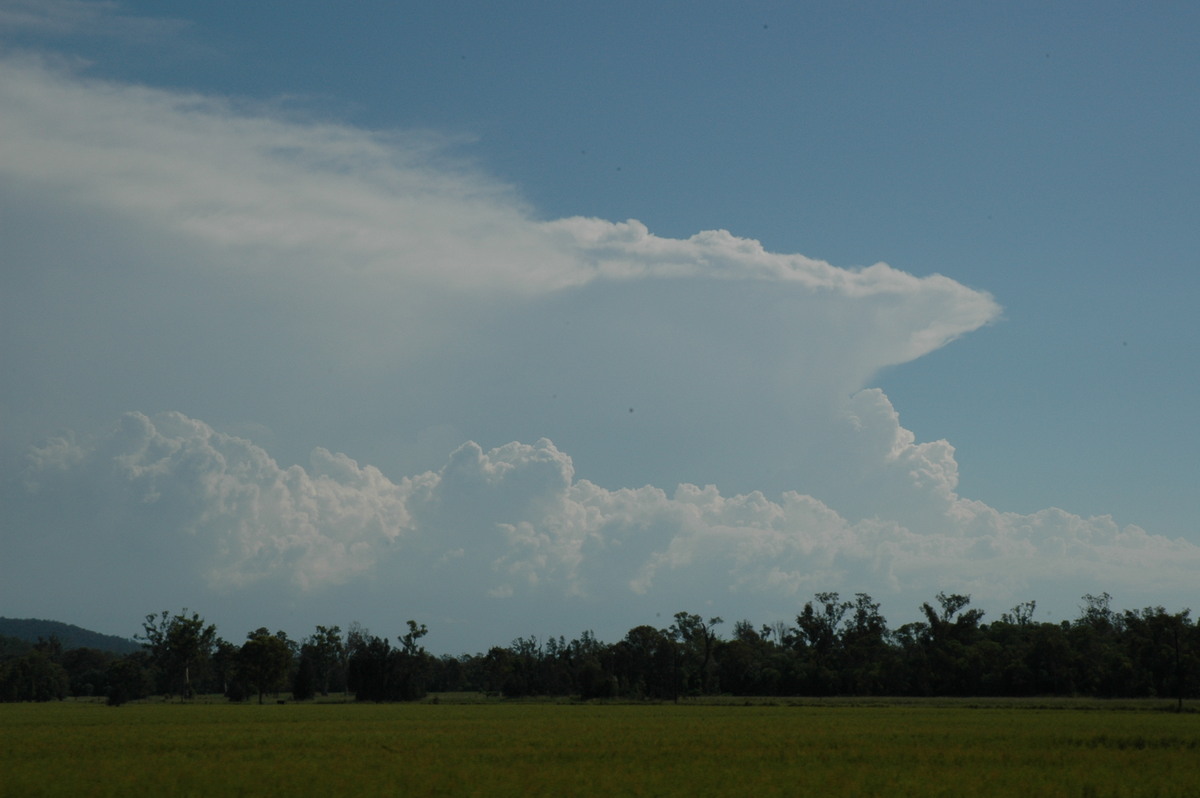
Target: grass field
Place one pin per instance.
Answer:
(829, 749)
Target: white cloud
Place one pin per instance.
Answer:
(240, 517)
(203, 243)
(325, 197)
(323, 286)
(276, 195)
(514, 524)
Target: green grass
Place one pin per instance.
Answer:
(709, 748)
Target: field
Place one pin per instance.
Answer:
(453, 748)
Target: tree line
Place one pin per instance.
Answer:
(834, 647)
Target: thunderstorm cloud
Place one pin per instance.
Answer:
(546, 423)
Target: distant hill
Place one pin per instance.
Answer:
(70, 636)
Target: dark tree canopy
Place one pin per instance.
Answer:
(834, 647)
(181, 646)
(264, 661)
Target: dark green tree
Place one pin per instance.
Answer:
(129, 678)
(86, 669)
(33, 677)
(181, 646)
(304, 683)
(696, 641)
(866, 658)
(645, 664)
(1101, 664)
(951, 635)
(1162, 651)
(818, 642)
(264, 661)
(378, 672)
(225, 670)
(749, 663)
(411, 664)
(326, 654)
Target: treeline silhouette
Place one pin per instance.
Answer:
(835, 647)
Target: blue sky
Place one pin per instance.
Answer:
(381, 234)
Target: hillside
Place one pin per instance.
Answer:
(70, 636)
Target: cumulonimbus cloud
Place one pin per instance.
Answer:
(368, 292)
(203, 241)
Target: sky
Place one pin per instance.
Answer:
(524, 319)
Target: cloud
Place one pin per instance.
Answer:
(271, 194)
(515, 527)
(205, 243)
(297, 197)
(318, 288)
(238, 515)
(85, 17)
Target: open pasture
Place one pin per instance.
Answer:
(911, 748)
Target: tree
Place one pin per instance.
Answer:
(357, 637)
(378, 672)
(585, 657)
(304, 683)
(411, 664)
(86, 669)
(697, 639)
(225, 670)
(369, 673)
(1020, 615)
(264, 661)
(747, 664)
(818, 642)
(326, 654)
(1159, 645)
(949, 641)
(1101, 667)
(181, 646)
(1097, 613)
(645, 663)
(409, 643)
(33, 677)
(128, 679)
(865, 653)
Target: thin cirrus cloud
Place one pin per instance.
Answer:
(81, 17)
(196, 267)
